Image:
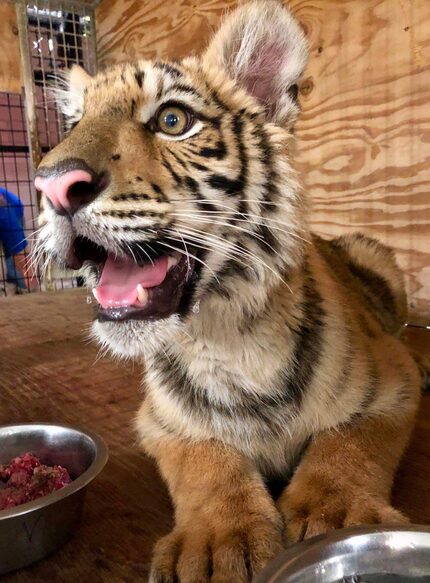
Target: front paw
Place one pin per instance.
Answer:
(313, 509)
(219, 554)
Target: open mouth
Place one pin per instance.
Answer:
(132, 288)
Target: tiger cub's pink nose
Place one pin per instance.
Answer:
(68, 192)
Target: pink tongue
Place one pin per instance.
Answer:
(120, 277)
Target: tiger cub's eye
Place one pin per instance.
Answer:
(173, 120)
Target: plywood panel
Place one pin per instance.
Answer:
(129, 29)
(10, 61)
(364, 134)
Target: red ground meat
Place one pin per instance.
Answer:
(26, 479)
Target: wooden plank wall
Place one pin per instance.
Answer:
(10, 60)
(364, 133)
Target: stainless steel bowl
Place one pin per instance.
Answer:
(31, 531)
(352, 553)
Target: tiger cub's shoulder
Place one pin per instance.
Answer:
(369, 268)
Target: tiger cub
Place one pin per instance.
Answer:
(269, 352)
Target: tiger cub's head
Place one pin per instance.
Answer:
(173, 190)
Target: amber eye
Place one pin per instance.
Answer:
(173, 120)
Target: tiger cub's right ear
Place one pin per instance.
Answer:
(262, 47)
(70, 93)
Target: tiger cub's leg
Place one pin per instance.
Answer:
(346, 477)
(227, 527)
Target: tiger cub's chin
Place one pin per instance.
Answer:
(132, 339)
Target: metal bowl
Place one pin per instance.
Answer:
(31, 531)
(356, 555)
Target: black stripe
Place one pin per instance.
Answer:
(293, 92)
(373, 288)
(180, 386)
(309, 337)
(130, 196)
(131, 214)
(231, 268)
(194, 187)
(219, 152)
(347, 362)
(216, 98)
(241, 212)
(133, 107)
(405, 392)
(200, 167)
(175, 176)
(214, 121)
(242, 209)
(178, 159)
(238, 185)
(226, 185)
(270, 191)
(184, 89)
(373, 384)
(139, 76)
(160, 89)
(168, 68)
(158, 190)
(139, 229)
(376, 288)
(266, 240)
(195, 399)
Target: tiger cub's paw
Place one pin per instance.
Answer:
(204, 554)
(310, 514)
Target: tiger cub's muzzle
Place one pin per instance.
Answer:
(146, 286)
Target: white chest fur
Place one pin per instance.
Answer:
(208, 392)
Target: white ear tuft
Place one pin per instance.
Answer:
(69, 93)
(263, 48)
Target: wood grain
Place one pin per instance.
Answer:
(364, 134)
(10, 60)
(49, 373)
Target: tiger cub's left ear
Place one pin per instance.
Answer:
(263, 48)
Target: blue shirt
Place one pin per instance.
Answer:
(11, 223)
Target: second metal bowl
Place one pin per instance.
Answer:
(356, 555)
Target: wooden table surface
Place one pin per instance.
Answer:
(49, 372)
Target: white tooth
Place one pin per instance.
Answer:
(171, 262)
(142, 294)
(94, 292)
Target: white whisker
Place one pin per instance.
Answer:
(184, 252)
(237, 251)
(262, 220)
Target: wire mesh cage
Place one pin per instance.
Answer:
(15, 187)
(54, 35)
(60, 34)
